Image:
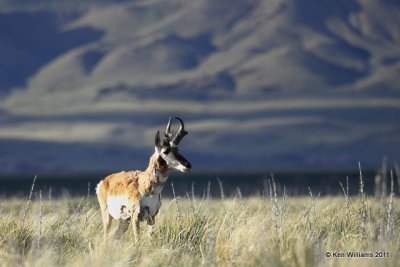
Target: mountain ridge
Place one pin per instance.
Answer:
(309, 82)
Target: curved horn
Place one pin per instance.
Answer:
(168, 129)
(180, 134)
(167, 133)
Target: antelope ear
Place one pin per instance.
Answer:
(157, 142)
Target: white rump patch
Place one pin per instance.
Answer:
(98, 187)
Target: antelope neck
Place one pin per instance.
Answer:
(158, 169)
(160, 177)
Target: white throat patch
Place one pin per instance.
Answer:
(159, 177)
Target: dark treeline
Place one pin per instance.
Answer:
(202, 184)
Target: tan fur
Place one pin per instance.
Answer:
(134, 184)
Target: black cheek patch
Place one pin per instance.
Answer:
(161, 161)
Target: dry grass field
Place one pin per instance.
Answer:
(258, 231)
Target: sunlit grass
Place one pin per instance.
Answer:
(270, 231)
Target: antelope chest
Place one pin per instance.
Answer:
(149, 206)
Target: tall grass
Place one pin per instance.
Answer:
(259, 231)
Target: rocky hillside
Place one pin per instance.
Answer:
(261, 84)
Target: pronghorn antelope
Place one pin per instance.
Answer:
(134, 196)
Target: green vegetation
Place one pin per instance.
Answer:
(257, 231)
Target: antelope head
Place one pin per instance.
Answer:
(168, 147)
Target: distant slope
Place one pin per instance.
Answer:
(286, 83)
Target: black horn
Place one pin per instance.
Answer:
(167, 134)
(181, 133)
